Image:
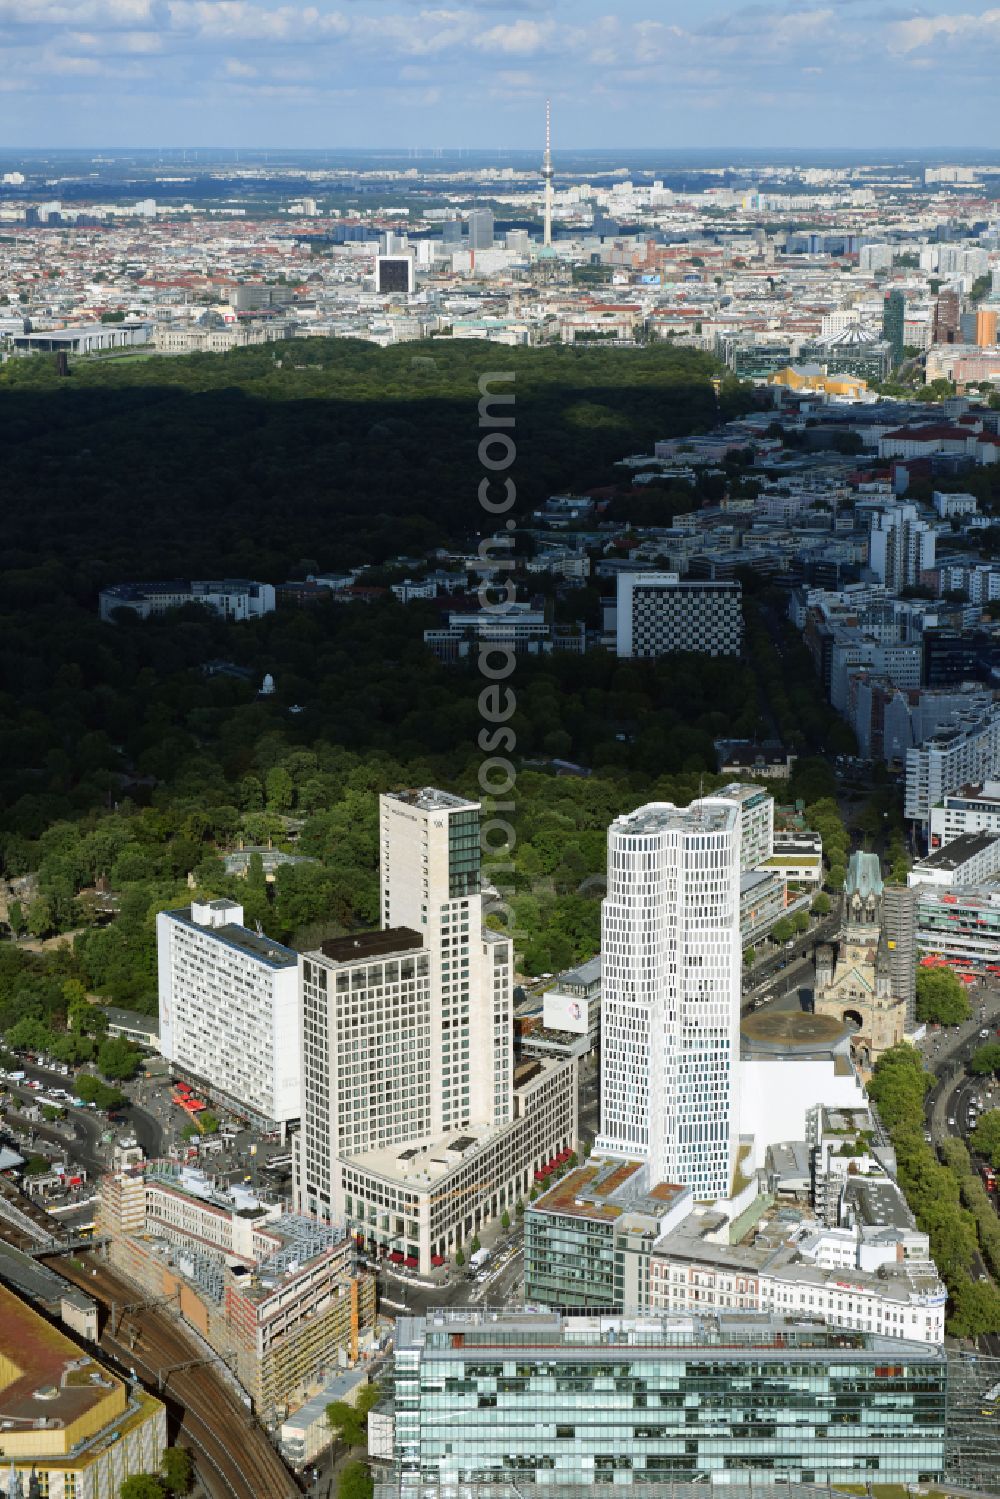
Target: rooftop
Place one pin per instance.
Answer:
(253, 944)
(607, 1190)
(465, 1331)
(425, 1164)
(663, 817)
(581, 977)
(792, 1030)
(429, 799)
(377, 944)
(966, 846)
(133, 1019)
(49, 1384)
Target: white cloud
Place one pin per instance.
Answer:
(523, 38)
(137, 42)
(79, 13)
(925, 31)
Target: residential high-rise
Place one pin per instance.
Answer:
(965, 754)
(416, 1129)
(671, 992)
(547, 176)
(901, 545)
(229, 1002)
(756, 808)
(659, 614)
(480, 222)
(893, 324)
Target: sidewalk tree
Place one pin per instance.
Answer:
(986, 1059)
(101, 1095)
(985, 1138)
(177, 1469)
(142, 1486)
(941, 997)
(351, 1421)
(355, 1482)
(821, 905)
(118, 1059)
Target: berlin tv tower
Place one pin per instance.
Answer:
(547, 175)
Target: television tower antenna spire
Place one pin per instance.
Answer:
(547, 175)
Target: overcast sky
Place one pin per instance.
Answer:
(347, 73)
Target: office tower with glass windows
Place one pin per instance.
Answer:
(511, 1403)
(417, 1129)
(893, 325)
(671, 992)
(430, 878)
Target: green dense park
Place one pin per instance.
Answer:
(320, 450)
(130, 766)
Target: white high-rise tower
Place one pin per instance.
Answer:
(547, 175)
(670, 1013)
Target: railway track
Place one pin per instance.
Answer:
(235, 1458)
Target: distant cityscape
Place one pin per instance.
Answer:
(861, 269)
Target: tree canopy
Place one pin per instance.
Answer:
(941, 997)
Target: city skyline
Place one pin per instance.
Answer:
(242, 74)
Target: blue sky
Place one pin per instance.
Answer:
(351, 73)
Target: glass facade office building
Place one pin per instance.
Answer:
(535, 1398)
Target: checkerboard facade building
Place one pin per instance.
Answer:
(659, 615)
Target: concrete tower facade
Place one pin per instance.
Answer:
(671, 992)
(430, 875)
(547, 175)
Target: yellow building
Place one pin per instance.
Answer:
(986, 326)
(67, 1422)
(813, 377)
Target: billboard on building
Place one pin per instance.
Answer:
(565, 1012)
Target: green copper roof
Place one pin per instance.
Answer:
(864, 875)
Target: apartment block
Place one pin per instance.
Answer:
(965, 755)
(975, 809)
(229, 1010)
(659, 614)
(969, 859)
